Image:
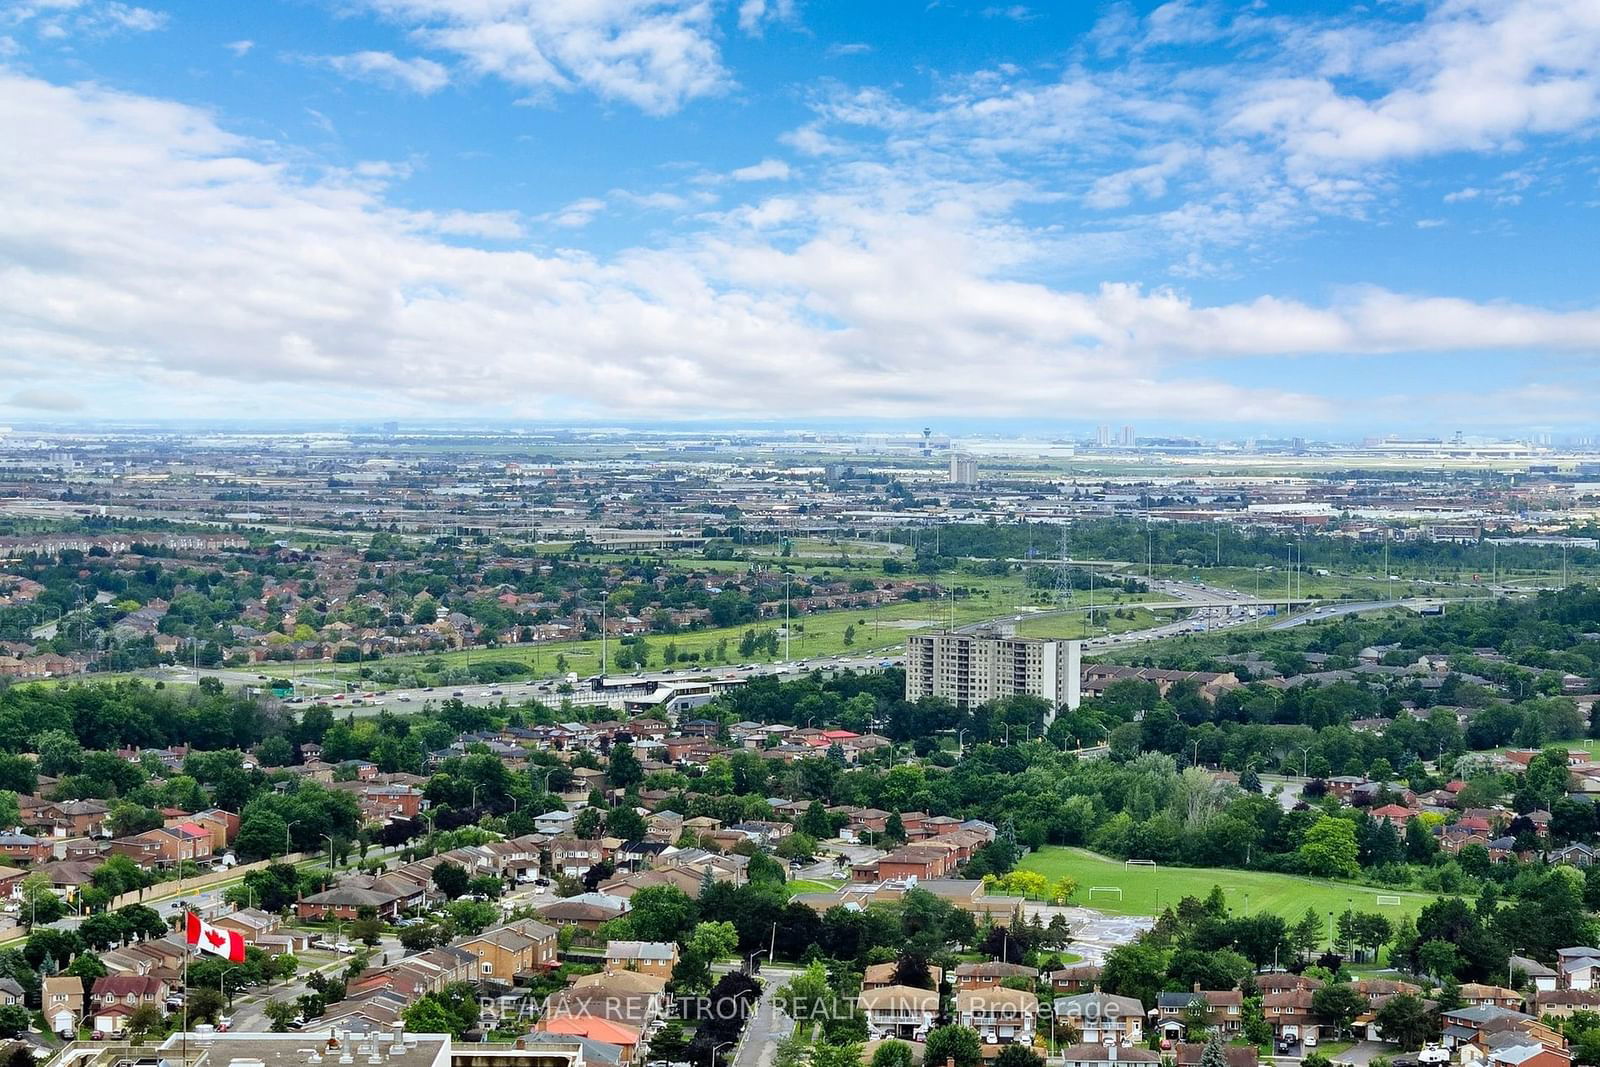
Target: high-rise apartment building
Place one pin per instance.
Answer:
(1128, 438)
(975, 668)
(963, 469)
(1102, 436)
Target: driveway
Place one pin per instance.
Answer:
(1363, 1052)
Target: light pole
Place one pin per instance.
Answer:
(718, 1048)
(1305, 756)
(287, 845)
(329, 839)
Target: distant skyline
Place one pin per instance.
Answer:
(1231, 219)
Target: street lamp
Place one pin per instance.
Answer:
(329, 839)
(287, 847)
(718, 1048)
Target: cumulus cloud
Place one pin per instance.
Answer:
(1472, 74)
(145, 243)
(656, 55)
(755, 14)
(417, 74)
(240, 47)
(765, 171)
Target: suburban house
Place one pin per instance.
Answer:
(655, 958)
(899, 1011)
(878, 975)
(1222, 1008)
(1090, 1055)
(61, 1001)
(166, 846)
(117, 996)
(1001, 1016)
(1289, 1013)
(1103, 1017)
(517, 950)
(989, 974)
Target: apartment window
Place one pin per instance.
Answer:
(488, 968)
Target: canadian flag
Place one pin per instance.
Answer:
(215, 939)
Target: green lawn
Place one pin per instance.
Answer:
(1076, 624)
(1145, 891)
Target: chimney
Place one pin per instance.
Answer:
(1197, 987)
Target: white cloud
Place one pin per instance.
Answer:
(1014, 12)
(656, 55)
(144, 246)
(240, 48)
(1429, 224)
(417, 74)
(849, 48)
(765, 171)
(754, 15)
(61, 19)
(577, 214)
(1472, 74)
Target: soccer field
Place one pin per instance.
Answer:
(1146, 890)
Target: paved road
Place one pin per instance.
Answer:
(248, 1010)
(767, 1026)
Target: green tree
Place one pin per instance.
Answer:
(1329, 849)
(662, 913)
(1212, 1055)
(1439, 958)
(1339, 1003)
(893, 1054)
(452, 879)
(624, 771)
(205, 1004)
(280, 1013)
(143, 1020)
(14, 1019)
(40, 905)
(953, 1043)
(1406, 1020)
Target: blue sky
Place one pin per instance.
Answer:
(1253, 217)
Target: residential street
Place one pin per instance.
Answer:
(767, 1026)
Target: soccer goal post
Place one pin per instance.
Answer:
(1150, 864)
(1387, 901)
(1108, 889)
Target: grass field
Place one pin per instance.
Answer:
(1076, 624)
(1146, 891)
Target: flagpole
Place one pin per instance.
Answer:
(185, 980)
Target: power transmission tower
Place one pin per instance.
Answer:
(1063, 572)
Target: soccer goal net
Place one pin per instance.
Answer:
(1148, 864)
(1387, 901)
(1107, 889)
